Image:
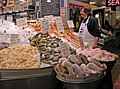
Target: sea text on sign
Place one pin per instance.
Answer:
(113, 2)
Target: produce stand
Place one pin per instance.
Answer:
(28, 79)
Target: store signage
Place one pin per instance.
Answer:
(10, 18)
(50, 19)
(59, 23)
(15, 38)
(45, 25)
(5, 38)
(24, 35)
(21, 22)
(62, 12)
(65, 52)
(81, 42)
(8, 24)
(70, 24)
(113, 3)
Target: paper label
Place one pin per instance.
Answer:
(81, 41)
(50, 19)
(65, 51)
(70, 24)
(5, 38)
(15, 38)
(21, 22)
(59, 24)
(8, 24)
(10, 18)
(45, 25)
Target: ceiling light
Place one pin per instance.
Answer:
(48, 0)
(92, 2)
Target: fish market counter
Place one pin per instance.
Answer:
(28, 78)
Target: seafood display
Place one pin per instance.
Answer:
(36, 26)
(68, 35)
(101, 55)
(48, 46)
(19, 57)
(79, 66)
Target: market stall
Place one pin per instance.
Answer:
(37, 48)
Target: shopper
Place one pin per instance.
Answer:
(109, 27)
(89, 29)
(117, 26)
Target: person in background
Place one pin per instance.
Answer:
(109, 27)
(117, 26)
(89, 29)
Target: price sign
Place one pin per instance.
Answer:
(21, 22)
(8, 24)
(81, 42)
(59, 24)
(45, 25)
(70, 24)
(24, 37)
(65, 51)
(5, 38)
(16, 8)
(15, 38)
(10, 18)
(49, 18)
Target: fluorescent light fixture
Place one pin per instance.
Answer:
(92, 2)
(48, 0)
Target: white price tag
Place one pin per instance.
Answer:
(10, 18)
(50, 18)
(5, 38)
(81, 41)
(45, 25)
(8, 24)
(59, 23)
(70, 24)
(15, 38)
(21, 22)
(65, 51)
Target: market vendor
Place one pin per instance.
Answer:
(89, 29)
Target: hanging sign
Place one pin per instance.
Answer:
(112, 3)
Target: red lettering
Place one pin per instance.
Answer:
(113, 2)
(117, 2)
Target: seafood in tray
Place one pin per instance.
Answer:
(78, 66)
(19, 57)
(48, 46)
